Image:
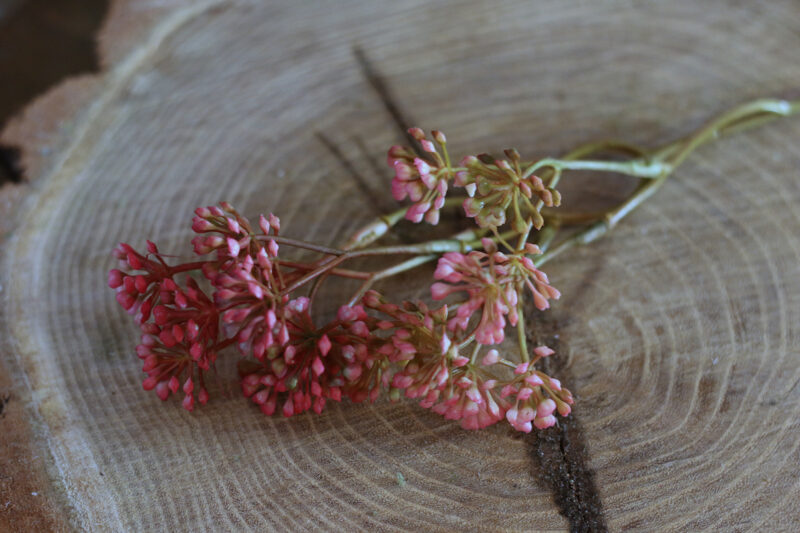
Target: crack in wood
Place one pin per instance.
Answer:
(560, 457)
(374, 200)
(400, 116)
(4, 399)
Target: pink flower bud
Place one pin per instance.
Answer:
(263, 224)
(114, 278)
(416, 133)
(546, 408)
(543, 351)
(188, 402)
(233, 247)
(162, 390)
(524, 393)
(534, 380)
(545, 422)
(491, 357)
(317, 366)
(233, 225)
(272, 247)
(352, 372)
(324, 345)
(275, 223)
(202, 397)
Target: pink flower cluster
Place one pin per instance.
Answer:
(493, 282)
(243, 292)
(424, 181)
(496, 185)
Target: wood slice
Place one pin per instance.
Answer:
(678, 333)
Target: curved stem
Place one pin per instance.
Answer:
(738, 119)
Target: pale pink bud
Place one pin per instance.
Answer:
(273, 248)
(491, 357)
(188, 402)
(508, 390)
(275, 223)
(532, 249)
(417, 211)
(460, 361)
(521, 368)
(526, 414)
(283, 336)
(271, 318)
(545, 422)
(114, 278)
(233, 247)
(233, 225)
(422, 166)
(546, 408)
(432, 217)
(188, 386)
(288, 408)
(263, 224)
(564, 409)
(427, 146)
(439, 137)
(324, 345)
(174, 384)
(150, 383)
(524, 393)
(511, 415)
(534, 380)
(555, 384)
(488, 384)
(416, 133)
(440, 291)
(255, 290)
(317, 366)
(352, 372)
(203, 396)
(162, 390)
(543, 351)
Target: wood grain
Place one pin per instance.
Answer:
(678, 333)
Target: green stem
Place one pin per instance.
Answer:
(388, 272)
(523, 341)
(738, 119)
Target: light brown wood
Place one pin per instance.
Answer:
(678, 332)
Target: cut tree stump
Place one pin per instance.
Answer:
(678, 333)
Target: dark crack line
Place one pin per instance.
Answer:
(559, 455)
(400, 116)
(4, 402)
(373, 200)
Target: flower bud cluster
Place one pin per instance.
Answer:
(496, 186)
(493, 282)
(424, 181)
(291, 365)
